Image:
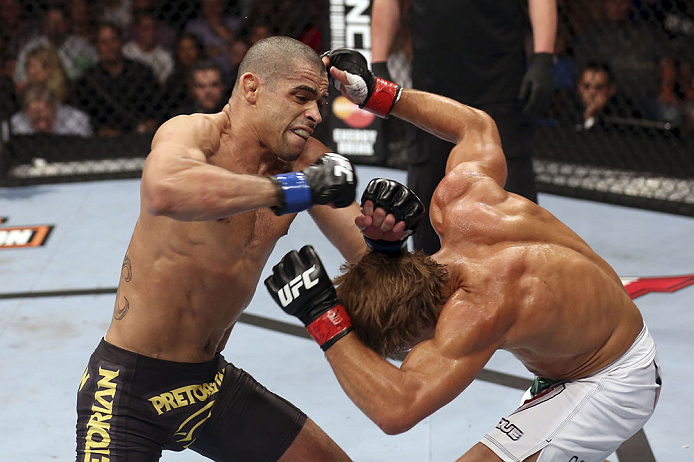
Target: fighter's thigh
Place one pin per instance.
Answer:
(312, 443)
(248, 422)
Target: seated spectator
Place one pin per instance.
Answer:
(632, 46)
(119, 94)
(216, 30)
(42, 112)
(145, 49)
(209, 94)
(75, 52)
(189, 50)
(165, 35)
(43, 67)
(600, 103)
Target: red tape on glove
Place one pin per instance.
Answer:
(384, 96)
(329, 327)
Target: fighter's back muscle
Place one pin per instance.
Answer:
(528, 267)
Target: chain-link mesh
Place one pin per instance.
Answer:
(620, 128)
(83, 86)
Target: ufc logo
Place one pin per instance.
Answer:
(510, 429)
(342, 167)
(290, 292)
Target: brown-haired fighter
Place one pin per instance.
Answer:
(509, 276)
(206, 227)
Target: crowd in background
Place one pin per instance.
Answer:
(109, 67)
(117, 66)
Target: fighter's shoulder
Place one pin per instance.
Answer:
(313, 150)
(468, 178)
(194, 127)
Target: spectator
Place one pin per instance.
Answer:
(476, 56)
(119, 94)
(216, 30)
(189, 50)
(635, 49)
(43, 113)
(209, 94)
(599, 99)
(165, 35)
(75, 52)
(43, 67)
(145, 49)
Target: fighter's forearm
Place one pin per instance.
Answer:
(385, 20)
(377, 387)
(543, 19)
(193, 190)
(338, 226)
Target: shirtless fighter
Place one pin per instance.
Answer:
(509, 276)
(209, 188)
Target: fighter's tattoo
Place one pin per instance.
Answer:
(120, 312)
(127, 275)
(127, 269)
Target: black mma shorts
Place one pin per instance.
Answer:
(130, 407)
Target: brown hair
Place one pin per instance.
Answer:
(392, 299)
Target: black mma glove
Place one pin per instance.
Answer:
(538, 84)
(371, 93)
(300, 285)
(402, 202)
(330, 179)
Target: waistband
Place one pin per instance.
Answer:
(110, 352)
(642, 350)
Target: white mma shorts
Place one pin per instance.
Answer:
(587, 419)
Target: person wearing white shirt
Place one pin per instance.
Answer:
(143, 47)
(42, 112)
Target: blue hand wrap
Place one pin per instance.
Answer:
(297, 193)
(379, 245)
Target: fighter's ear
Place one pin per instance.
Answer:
(249, 87)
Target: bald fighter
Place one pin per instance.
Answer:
(217, 192)
(509, 276)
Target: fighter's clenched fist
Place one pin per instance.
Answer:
(330, 180)
(300, 285)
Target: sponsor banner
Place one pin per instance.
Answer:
(354, 133)
(24, 236)
(637, 287)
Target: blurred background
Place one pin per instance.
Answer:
(84, 86)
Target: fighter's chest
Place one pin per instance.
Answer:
(251, 230)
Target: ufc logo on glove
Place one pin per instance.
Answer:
(290, 291)
(342, 167)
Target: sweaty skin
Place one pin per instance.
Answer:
(520, 280)
(205, 231)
